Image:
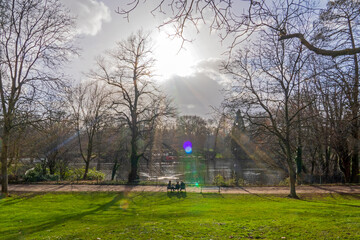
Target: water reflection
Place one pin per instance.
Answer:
(197, 170)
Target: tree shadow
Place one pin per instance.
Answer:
(335, 196)
(343, 194)
(64, 218)
(212, 195)
(263, 196)
(19, 196)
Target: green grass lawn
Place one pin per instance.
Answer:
(175, 216)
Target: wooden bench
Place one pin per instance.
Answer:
(173, 188)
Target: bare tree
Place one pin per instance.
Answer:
(192, 128)
(234, 20)
(52, 140)
(90, 107)
(136, 99)
(338, 28)
(266, 79)
(34, 41)
(344, 17)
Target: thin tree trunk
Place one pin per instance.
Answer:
(355, 113)
(114, 169)
(292, 175)
(87, 163)
(346, 168)
(133, 176)
(4, 167)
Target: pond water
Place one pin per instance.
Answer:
(196, 170)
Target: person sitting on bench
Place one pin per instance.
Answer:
(177, 186)
(170, 186)
(182, 186)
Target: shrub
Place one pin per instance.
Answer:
(78, 173)
(285, 182)
(219, 180)
(93, 174)
(231, 182)
(36, 174)
(241, 182)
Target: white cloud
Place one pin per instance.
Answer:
(193, 95)
(213, 68)
(91, 14)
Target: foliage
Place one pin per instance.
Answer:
(36, 174)
(78, 173)
(93, 174)
(241, 182)
(219, 180)
(15, 172)
(231, 182)
(188, 216)
(141, 183)
(285, 182)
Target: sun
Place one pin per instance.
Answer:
(170, 59)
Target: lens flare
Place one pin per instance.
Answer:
(124, 204)
(187, 147)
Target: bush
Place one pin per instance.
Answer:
(36, 174)
(93, 174)
(231, 182)
(285, 182)
(241, 182)
(78, 173)
(219, 180)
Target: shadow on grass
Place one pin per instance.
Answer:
(345, 195)
(212, 195)
(176, 194)
(263, 196)
(63, 219)
(19, 196)
(335, 196)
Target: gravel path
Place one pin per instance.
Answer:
(236, 190)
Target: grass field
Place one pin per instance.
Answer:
(178, 216)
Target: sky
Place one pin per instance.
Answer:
(190, 76)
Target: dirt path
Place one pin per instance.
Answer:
(236, 190)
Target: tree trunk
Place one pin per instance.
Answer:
(87, 163)
(4, 167)
(134, 158)
(114, 169)
(355, 152)
(355, 112)
(292, 175)
(88, 156)
(133, 176)
(51, 163)
(292, 171)
(346, 167)
(355, 168)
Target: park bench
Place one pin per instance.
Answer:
(173, 188)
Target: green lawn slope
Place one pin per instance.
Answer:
(178, 216)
